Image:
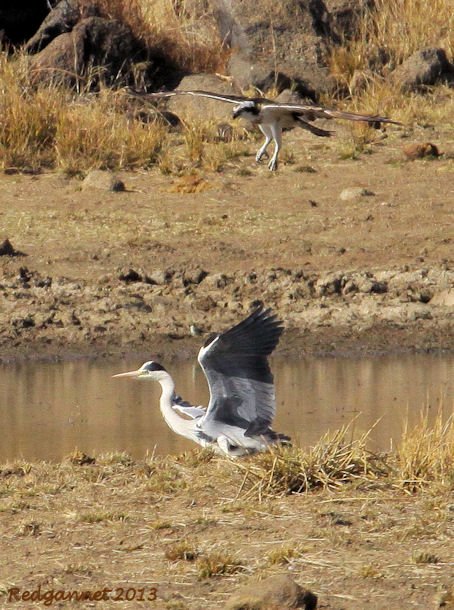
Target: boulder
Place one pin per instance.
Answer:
(345, 15)
(62, 19)
(76, 56)
(285, 43)
(192, 108)
(102, 180)
(422, 69)
(278, 591)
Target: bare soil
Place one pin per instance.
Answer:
(107, 272)
(103, 273)
(122, 526)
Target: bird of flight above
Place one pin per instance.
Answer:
(242, 405)
(273, 117)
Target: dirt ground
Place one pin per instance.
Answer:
(104, 273)
(191, 530)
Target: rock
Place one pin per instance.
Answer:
(289, 48)
(328, 285)
(130, 276)
(204, 303)
(95, 50)
(20, 19)
(345, 15)
(7, 249)
(194, 276)
(280, 592)
(355, 192)
(159, 277)
(197, 108)
(419, 151)
(102, 180)
(423, 68)
(62, 19)
(445, 298)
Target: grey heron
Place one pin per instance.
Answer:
(242, 405)
(273, 117)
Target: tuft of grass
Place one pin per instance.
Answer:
(98, 135)
(217, 564)
(335, 460)
(283, 555)
(422, 557)
(182, 550)
(161, 524)
(101, 516)
(426, 453)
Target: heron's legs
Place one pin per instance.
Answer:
(266, 130)
(276, 133)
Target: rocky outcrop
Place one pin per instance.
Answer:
(424, 69)
(96, 49)
(284, 43)
(62, 19)
(78, 45)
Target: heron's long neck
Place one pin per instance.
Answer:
(172, 418)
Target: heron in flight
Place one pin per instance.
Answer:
(242, 405)
(273, 117)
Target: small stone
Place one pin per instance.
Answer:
(103, 181)
(6, 248)
(130, 276)
(355, 192)
(194, 276)
(159, 277)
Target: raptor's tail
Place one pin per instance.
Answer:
(317, 131)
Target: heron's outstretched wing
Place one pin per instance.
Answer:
(310, 113)
(231, 99)
(236, 366)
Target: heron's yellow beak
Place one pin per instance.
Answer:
(129, 374)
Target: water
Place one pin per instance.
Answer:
(47, 410)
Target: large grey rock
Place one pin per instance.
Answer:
(196, 108)
(284, 42)
(280, 592)
(423, 68)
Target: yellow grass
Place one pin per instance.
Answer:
(426, 453)
(52, 127)
(387, 35)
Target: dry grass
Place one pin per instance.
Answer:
(52, 127)
(116, 520)
(336, 459)
(388, 34)
(426, 454)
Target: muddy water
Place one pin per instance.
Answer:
(47, 410)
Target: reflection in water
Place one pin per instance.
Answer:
(47, 410)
